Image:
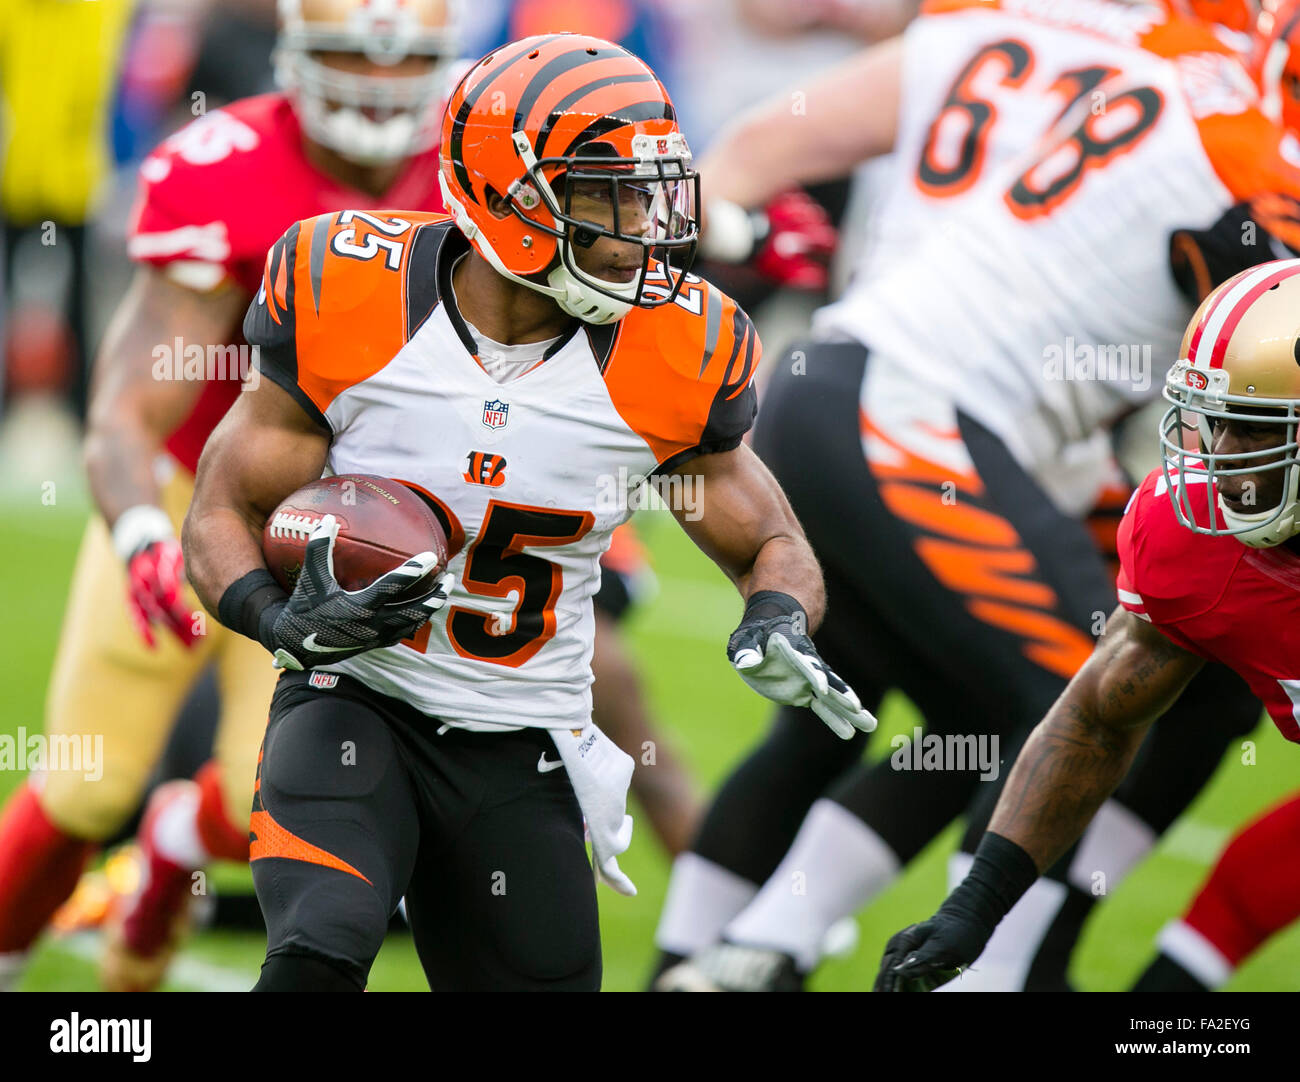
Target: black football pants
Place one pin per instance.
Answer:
(360, 801)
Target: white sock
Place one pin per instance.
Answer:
(1196, 954)
(1005, 963)
(12, 965)
(702, 897)
(1115, 840)
(836, 865)
(176, 829)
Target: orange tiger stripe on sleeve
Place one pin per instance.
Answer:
(332, 308)
(681, 376)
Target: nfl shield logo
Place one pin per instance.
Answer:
(494, 413)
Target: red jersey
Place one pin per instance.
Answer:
(1214, 596)
(218, 194)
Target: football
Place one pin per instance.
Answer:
(382, 524)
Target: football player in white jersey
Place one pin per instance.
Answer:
(566, 174)
(1045, 153)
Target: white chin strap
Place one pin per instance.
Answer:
(578, 298)
(569, 292)
(1270, 528)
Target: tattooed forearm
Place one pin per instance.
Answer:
(131, 410)
(1081, 751)
(1069, 765)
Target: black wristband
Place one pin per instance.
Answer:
(771, 604)
(1000, 874)
(247, 603)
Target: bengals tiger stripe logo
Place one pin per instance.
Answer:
(485, 468)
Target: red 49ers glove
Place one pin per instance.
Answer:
(797, 247)
(155, 575)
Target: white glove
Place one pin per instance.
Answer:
(774, 655)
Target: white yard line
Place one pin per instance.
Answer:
(187, 971)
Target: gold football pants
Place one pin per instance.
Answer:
(107, 682)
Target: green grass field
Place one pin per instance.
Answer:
(712, 718)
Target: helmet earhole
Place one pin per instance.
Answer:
(1295, 350)
(585, 235)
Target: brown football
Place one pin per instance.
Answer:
(382, 524)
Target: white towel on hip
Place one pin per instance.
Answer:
(600, 773)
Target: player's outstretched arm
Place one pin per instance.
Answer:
(1071, 763)
(265, 448)
(1081, 751)
(843, 118)
(740, 519)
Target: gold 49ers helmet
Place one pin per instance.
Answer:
(1240, 361)
(543, 114)
(368, 118)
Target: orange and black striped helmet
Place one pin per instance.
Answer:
(536, 118)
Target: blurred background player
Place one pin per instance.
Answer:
(49, 188)
(999, 149)
(355, 126)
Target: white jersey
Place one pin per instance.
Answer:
(1046, 151)
(529, 477)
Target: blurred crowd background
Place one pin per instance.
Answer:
(89, 87)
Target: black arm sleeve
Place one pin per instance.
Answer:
(1246, 235)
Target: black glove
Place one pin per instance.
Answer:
(774, 655)
(322, 623)
(923, 956)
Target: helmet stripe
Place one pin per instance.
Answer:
(455, 150)
(1200, 330)
(1254, 285)
(558, 109)
(552, 70)
(1214, 316)
(630, 114)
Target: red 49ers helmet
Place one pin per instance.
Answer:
(542, 114)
